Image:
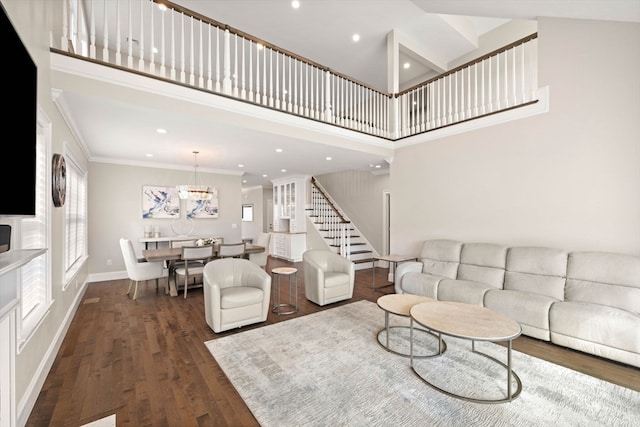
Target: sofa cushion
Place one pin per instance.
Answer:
(604, 278)
(594, 323)
(484, 263)
(421, 284)
(465, 291)
(529, 309)
(537, 270)
(441, 257)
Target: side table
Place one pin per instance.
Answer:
(391, 259)
(278, 306)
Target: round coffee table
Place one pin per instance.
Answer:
(400, 305)
(474, 323)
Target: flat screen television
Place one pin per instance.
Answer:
(18, 122)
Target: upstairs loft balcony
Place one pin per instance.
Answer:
(167, 42)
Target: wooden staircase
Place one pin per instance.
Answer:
(340, 234)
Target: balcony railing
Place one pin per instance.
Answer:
(165, 41)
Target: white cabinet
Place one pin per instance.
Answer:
(289, 218)
(288, 246)
(289, 203)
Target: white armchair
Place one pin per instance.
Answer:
(236, 293)
(328, 277)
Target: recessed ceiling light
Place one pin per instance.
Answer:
(378, 166)
(295, 4)
(149, 155)
(244, 181)
(327, 158)
(355, 37)
(279, 150)
(161, 130)
(283, 170)
(406, 65)
(264, 175)
(240, 165)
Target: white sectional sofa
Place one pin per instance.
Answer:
(587, 301)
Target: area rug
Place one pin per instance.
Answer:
(329, 369)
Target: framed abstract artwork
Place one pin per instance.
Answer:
(160, 202)
(203, 208)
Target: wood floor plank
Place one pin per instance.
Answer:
(146, 360)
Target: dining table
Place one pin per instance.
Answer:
(171, 255)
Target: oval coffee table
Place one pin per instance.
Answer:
(471, 322)
(400, 305)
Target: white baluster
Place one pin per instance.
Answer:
(265, 98)
(152, 46)
(226, 65)
(92, 32)
(498, 82)
(513, 83)
(243, 92)
(141, 66)
(183, 75)
(209, 59)
(524, 88)
(217, 89)
(235, 66)
(192, 69)
(130, 39)
(66, 32)
(277, 79)
(251, 98)
(173, 48)
(200, 55)
(163, 47)
(118, 35)
(105, 37)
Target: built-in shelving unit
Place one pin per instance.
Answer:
(289, 239)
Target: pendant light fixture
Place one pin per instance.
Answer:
(195, 191)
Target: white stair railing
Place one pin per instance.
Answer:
(173, 43)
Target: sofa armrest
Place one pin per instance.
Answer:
(404, 268)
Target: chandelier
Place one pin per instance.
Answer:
(195, 191)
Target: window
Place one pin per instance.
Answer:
(247, 212)
(35, 278)
(75, 218)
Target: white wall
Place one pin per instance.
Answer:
(32, 20)
(569, 178)
(115, 209)
(361, 196)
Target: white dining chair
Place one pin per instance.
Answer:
(138, 271)
(194, 259)
(231, 250)
(260, 258)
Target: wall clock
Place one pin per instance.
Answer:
(59, 182)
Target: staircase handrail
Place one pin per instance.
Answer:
(318, 186)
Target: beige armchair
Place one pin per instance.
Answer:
(328, 277)
(236, 293)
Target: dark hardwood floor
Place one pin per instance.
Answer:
(146, 361)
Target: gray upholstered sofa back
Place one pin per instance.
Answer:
(483, 263)
(441, 257)
(604, 278)
(537, 270)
